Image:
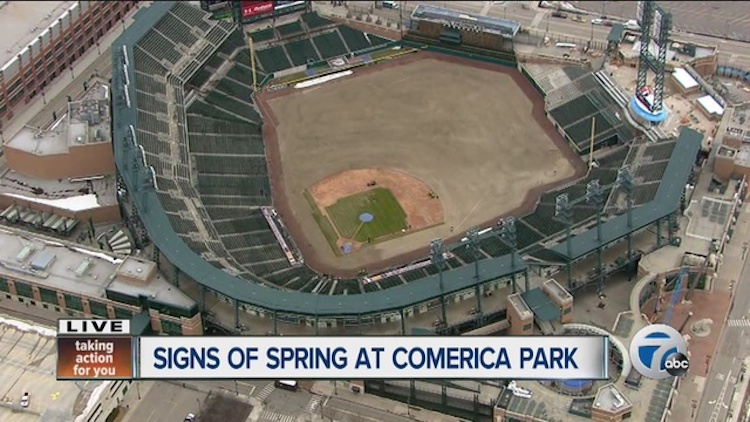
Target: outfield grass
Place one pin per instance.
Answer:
(389, 219)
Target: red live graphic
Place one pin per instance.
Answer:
(94, 357)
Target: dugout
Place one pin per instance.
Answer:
(453, 28)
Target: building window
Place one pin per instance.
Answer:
(48, 296)
(527, 327)
(73, 302)
(98, 309)
(3, 285)
(23, 289)
(567, 311)
(121, 313)
(171, 328)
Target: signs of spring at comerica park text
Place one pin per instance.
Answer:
(94, 349)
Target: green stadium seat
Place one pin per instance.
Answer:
(314, 21)
(176, 30)
(292, 28)
(354, 39)
(190, 15)
(263, 35)
(330, 45)
(273, 59)
(301, 52)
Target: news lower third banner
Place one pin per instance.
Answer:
(95, 349)
(528, 357)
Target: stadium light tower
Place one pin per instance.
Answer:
(648, 103)
(509, 236)
(438, 260)
(625, 181)
(564, 213)
(595, 196)
(473, 234)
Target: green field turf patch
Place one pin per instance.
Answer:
(389, 219)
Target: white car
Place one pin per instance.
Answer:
(25, 399)
(190, 417)
(597, 21)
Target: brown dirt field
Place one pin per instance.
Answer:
(475, 132)
(412, 194)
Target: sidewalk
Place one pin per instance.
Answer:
(136, 392)
(54, 97)
(387, 407)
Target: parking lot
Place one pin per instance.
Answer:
(724, 19)
(28, 362)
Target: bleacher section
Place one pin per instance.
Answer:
(575, 101)
(325, 40)
(314, 21)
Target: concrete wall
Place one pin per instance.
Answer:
(112, 393)
(80, 161)
(724, 167)
(108, 214)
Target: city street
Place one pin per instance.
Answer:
(735, 53)
(734, 341)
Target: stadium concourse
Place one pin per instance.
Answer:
(189, 147)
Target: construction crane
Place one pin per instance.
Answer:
(676, 291)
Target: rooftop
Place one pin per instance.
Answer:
(610, 399)
(86, 122)
(504, 27)
(739, 123)
(711, 105)
(523, 309)
(69, 194)
(23, 21)
(62, 266)
(29, 364)
(556, 289)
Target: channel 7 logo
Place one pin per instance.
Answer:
(658, 352)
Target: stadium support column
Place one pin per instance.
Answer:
(236, 314)
(203, 298)
(509, 237)
(472, 234)
(564, 213)
(625, 181)
(275, 323)
(403, 322)
(438, 259)
(595, 196)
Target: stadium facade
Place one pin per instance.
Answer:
(55, 49)
(171, 104)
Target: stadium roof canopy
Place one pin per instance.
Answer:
(666, 201)
(441, 15)
(540, 304)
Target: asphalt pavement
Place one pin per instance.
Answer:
(734, 342)
(736, 53)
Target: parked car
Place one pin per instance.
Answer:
(25, 399)
(597, 21)
(558, 14)
(190, 417)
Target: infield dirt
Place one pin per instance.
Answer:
(475, 133)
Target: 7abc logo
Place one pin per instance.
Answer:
(659, 351)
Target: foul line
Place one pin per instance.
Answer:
(470, 212)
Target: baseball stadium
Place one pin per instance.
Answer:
(315, 174)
